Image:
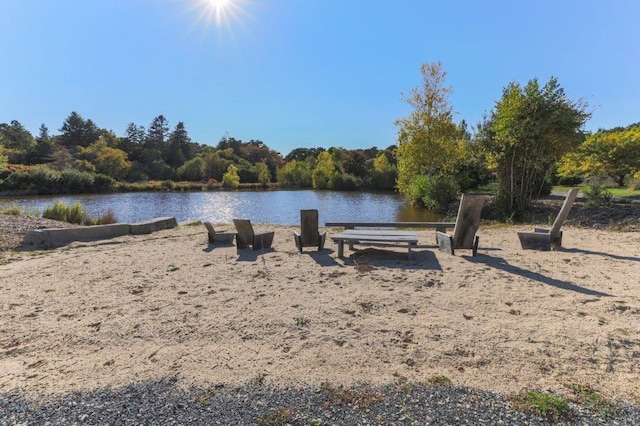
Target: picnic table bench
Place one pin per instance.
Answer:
(375, 238)
(438, 226)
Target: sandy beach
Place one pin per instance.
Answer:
(108, 313)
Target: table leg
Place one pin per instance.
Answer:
(340, 248)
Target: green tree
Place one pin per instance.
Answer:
(325, 171)
(301, 154)
(191, 170)
(45, 145)
(157, 134)
(18, 142)
(231, 179)
(178, 146)
(215, 165)
(355, 163)
(615, 153)
(428, 137)
(133, 141)
(296, 173)
(263, 173)
(530, 129)
(76, 131)
(384, 173)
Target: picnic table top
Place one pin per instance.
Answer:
(373, 235)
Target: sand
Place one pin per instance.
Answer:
(109, 313)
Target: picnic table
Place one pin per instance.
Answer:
(383, 238)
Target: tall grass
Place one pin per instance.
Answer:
(75, 213)
(58, 211)
(15, 210)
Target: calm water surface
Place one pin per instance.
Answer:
(276, 207)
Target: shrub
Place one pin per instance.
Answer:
(59, 211)
(16, 181)
(416, 190)
(346, 182)
(432, 192)
(569, 180)
(596, 193)
(38, 180)
(14, 210)
(76, 182)
(103, 183)
(56, 212)
(76, 213)
(168, 184)
(108, 217)
(211, 182)
(44, 180)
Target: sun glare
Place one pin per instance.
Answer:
(218, 9)
(219, 12)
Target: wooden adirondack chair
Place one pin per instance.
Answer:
(309, 235)
(467, 224)
(247, 238)
(549, 239)
(218, 237)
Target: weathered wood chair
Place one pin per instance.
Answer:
(247, 238)
(467, 224)
(549, 239)
(218, 237)
(309, 235)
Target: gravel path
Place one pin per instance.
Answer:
(163, 403)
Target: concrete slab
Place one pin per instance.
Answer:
(53, 237)
(153, 225)
(61, 236)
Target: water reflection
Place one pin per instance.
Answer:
(277, 207)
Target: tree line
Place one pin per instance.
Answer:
(84, 157)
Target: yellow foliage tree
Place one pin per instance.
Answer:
(107, 160)
(615, 153)
(231, 179)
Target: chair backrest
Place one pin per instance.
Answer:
(468, 220)
(210, 231)
(564, 212)
(245, 232)
(309, 228)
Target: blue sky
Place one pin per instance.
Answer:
(305, 73)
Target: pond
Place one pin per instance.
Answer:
(275, 207)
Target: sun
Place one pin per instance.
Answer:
(218, 9)
(218, 12)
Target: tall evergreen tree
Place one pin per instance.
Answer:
(178, 146)
(76, 131)
(157, 134)
(44, 146)
(133, 141)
